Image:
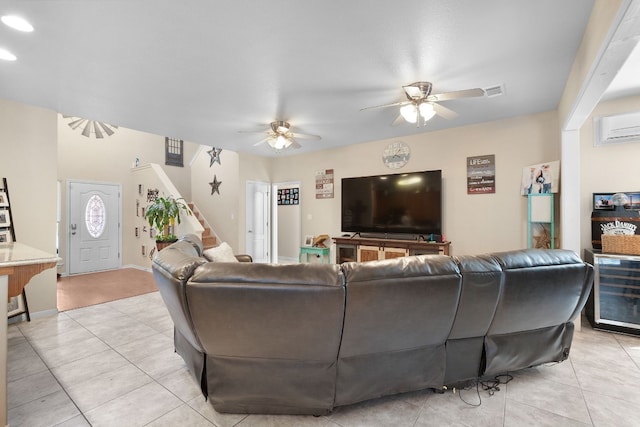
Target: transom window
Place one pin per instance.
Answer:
(173, 151)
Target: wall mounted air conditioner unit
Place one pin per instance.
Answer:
(616, 129)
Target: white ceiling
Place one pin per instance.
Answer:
(203, 70)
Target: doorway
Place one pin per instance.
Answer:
(94, 235)
(257, 226)
(286, 219)
(272, 229)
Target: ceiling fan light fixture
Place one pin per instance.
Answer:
(280, 126)
(426, 111)
(409, 113)
(279, 142)
(6, 55)
(17, 23)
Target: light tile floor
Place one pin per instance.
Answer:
(113, 365)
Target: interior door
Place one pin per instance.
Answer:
(257, 241)
(94, 226)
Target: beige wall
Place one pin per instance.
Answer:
(474, 223)
(609, 168)
(110, 160)
(27, 160)
(220, 209)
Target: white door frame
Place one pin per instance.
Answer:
(250, 187)
(68, 217)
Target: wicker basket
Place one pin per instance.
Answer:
(628, 244)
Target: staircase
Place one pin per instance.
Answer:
(209, 239)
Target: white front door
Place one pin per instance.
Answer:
(257, 221)
(94, 226)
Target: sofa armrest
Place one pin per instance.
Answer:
(244, 258)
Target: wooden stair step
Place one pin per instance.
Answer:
(209, 241)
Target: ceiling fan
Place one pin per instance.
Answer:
(280, 136)
(421, 104)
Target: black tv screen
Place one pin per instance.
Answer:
(398, 203)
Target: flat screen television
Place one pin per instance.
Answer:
(404, 203)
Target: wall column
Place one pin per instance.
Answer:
(570, 194)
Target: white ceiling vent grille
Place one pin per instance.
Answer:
(494, 90)
(616, 129)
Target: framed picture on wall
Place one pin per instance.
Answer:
(5, 221)
(602, 201)
(308, 240)
(540, 178)
(634, 200)
(15, 306)
(5, 236)
(4, 202)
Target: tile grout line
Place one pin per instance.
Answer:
(64, 390)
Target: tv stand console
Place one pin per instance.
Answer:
(362, 249)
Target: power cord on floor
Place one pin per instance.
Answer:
(491, 386)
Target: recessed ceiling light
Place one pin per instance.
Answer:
(17, 23)
(6, 55)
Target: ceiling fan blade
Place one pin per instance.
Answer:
(262, 141)
(294, 144)
(254, 131)
(305, 136)
(386, 105)
(444, 112)
(467, 93)
(398, 120)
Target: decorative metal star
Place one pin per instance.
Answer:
(543, 240)
(215, 155)
(215, 185)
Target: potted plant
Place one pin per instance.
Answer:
(163, 214)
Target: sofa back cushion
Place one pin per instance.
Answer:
(399, 303)
(172, 267)
(271, 335)
(541, 288)
(398, 315)
(481, 283)
(267, 310)
(541, 294)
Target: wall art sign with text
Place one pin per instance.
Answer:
(481, 174)
(324, 184)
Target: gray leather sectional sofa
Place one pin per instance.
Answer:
(305, 338)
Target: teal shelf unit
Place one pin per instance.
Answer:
(540, 216)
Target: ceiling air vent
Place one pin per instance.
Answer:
(616, 129)
(494, 90)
